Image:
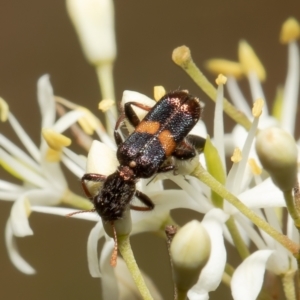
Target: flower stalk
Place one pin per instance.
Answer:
(127, 254)
(182, 57)
(237, 238)
(289, 200)
(206, 178)
(288, 285)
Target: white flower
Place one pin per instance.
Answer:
(43, 182)
(264, 197)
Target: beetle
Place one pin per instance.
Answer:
(161, 134)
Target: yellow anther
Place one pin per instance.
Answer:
(221, 79)
(257, 107)
(236, 156)
(88, 122)
(55, 140)
(250, 62)
(290, 31)
(159, 92)
(255, 169)
(53, 155)
(4, 109)
(224, 66)
(106, 104)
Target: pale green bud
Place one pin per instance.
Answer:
(277, 152)
(94, 23)
(190, 250)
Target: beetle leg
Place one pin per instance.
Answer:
(117, 136)
(166, 168)
(130, 113)
(144, 199)
(91, 177)
(189, 147)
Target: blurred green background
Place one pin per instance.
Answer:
(37, 38)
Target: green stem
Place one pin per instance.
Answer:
(106, 83)
(127, 254)
(181, 295)
(182, 57)
(205, 177)
(237, 239)
(297, 196)
(229, 269)
(289, 200)
(226, 279)
(288, 285)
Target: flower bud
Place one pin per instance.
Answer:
(94, 23)
(102, 160)
(190, 250)
(277, 152)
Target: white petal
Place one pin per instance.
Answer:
(22, 207)
(24, 138)
(10, 187)
(247, 148)
(131, 96)
(18, 153)
(78, 171)
(211, 275)
(43, 197)
(92, 249)
(10, 196)
(205, 206)
(13, 253)
(67, 120)
(46, 101)
(257, 91)
(164, 202)
(19, 217)
(53, 172)
(219, 125)
(10, 191)
(199, 129)
(237, 97)
(251, 232)
(247, 280)
(265, 194)
(80, 160)
(25, 173)
(291, 90)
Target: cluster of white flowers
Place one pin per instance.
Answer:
(198, 250)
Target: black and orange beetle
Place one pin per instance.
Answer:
(161, 134)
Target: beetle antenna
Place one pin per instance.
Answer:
(79, 212)
(114, 255)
